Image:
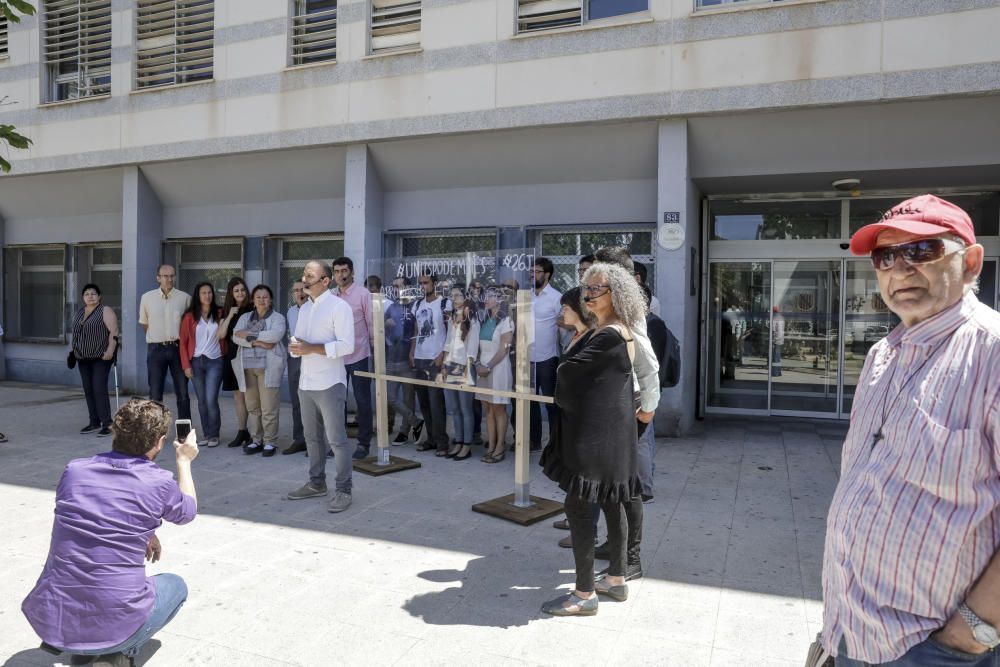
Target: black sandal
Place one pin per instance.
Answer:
(3, 438)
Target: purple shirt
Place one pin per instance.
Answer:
(360, 301)
(93, 592)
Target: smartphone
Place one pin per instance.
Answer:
(183, 428)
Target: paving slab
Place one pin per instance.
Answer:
(409, 575)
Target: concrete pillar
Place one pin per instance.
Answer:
(678, 271)
(142, 235)
(363, 210)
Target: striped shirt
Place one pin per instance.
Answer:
(915, 518)
(90, 334)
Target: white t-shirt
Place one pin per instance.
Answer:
(546, 308)
(206, 341)
(431, 331)
(654, 305)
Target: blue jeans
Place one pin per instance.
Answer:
(646, 459)
(207, 381)
(927, 653)
(94, 375)
(459, 403)
(544, 373)
(161, 360)
(363, 398)
(323, 411)
(171, 593)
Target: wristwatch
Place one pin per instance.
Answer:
(984, 633)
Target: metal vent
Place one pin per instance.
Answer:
(77, 48)
(3, 36)
(534, 15)
(174, 41)
(395, 25)
(314, 31)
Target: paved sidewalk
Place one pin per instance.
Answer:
(410, 576)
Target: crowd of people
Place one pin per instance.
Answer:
(911, 572)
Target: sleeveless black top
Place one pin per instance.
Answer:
(90, 335)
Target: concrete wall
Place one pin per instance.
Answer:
(473, 74)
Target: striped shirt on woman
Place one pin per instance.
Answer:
(90, 334)
(915, 518)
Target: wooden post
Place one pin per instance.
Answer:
(523, 385)
(381, 393)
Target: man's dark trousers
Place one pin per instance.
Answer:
(160, 360)
(545, 384)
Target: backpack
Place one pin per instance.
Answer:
(667, 349)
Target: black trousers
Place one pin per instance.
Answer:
(94, 376)
(544, 373)
(581, 527)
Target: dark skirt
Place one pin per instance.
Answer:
(229, 382)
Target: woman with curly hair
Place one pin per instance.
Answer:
(593, 458)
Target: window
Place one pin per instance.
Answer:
(565, 248)
(3, 36)
(538, 15)
(770, 221)
(314, 31)
(35, 292)
(295, 252)
(395, 25)
(77, 52)
(174, 42)
(214, 261)
(102, 265)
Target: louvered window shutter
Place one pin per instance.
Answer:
(174, 41)
(314, 31)
(395, 25)
(3, 36)
(535, 15)
(77, 36)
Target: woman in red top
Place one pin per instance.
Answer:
(203, 349)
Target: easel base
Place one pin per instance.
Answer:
(370, 466)
(504, 508)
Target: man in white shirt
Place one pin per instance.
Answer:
(545, 348)
(160, 313)
(324, 336)
(426, 356)
(295, 370)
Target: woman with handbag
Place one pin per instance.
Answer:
(203, 349)
(95, 329)
(594, 455)
(460, 349)
(496, 334)
(259, 366)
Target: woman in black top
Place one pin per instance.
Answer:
(593, 456)
(95, 327)
(236, 304)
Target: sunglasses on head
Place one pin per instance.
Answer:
(923, 251)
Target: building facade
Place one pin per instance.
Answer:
(244, 136)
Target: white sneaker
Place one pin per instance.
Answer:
(212, 442)
(203, 442)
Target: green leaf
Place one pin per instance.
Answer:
(22, 6)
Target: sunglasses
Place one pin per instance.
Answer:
(923, 251)
(596, 290)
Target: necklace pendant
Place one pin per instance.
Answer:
(877, 437)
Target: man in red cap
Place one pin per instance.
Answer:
(911, 574)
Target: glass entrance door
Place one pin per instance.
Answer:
(805, 337)
(867, 320)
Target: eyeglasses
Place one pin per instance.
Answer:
(912, 253)
(596, 290)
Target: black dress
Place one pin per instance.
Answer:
(593, 451)
(229, 382)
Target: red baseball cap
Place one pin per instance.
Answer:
(925, 215)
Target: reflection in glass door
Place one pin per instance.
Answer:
(805, 336)
(739, 336)
(867, 320)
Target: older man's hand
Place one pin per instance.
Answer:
(187, 451)
(153, 549)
